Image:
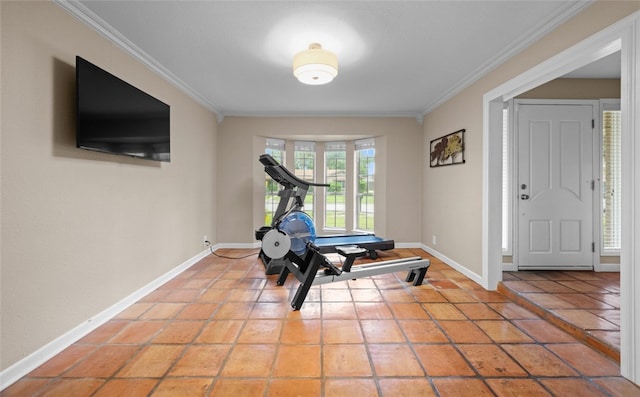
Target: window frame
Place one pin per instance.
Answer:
(273, 145)
(605, 105)
(350, 180)
(360, 146)
(329, 147)
(306, 147)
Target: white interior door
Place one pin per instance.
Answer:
(555, 186)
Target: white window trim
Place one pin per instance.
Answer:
(605, 104)
(361, 144)
(321, 223)
(289, 145)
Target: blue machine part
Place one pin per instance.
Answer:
(300, 228)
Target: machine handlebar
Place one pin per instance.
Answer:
(283, 176)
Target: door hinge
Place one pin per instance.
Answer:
(593, 247)
(593, 184)
(593, 123)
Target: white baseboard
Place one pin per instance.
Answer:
(408, 245)
(46, 352)
(239, 245)
(602, 267)
(607, 267)
(473, 276)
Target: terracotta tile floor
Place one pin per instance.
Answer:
(585, 304)
(223, 328)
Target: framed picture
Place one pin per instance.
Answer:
(447, 150)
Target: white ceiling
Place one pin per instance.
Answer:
(398, 58)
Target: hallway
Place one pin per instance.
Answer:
(585, 304)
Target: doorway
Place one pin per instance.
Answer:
(622, 36)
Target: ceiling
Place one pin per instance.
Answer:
(396, 58)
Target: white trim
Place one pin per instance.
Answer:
(511, 213)
(630, 228)
(492, 192)
(46, 352)
(509, 267)
(239, 245)
(408, 245)
(607, 267)
(471, 275)
(84, 14)
(624, 36)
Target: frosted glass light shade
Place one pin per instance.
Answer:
(315, 65)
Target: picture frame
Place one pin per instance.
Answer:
(447, 150)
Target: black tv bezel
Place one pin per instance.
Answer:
(82, 141)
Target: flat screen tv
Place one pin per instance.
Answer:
(115, 117)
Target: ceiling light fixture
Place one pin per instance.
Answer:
(315, 66)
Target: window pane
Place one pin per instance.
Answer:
(366, 166)
(335, 176)
(611, 179)
(305, 165)
(274, 147)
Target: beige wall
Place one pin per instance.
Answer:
(575, 89)
(83, 230)
(453, 195)
(398, 169)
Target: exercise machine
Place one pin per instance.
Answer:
(311, 267)
(289, 218)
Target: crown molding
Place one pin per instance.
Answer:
(524, 41)
(84, 14)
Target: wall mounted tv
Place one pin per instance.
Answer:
(115, 117)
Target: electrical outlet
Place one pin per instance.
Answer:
(433, 240)
(205, 240)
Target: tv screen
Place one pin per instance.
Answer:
(115, 117)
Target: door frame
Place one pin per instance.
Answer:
(623, 36)
(595, 172)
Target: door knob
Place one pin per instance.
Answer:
(524, 196)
